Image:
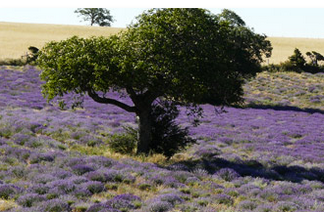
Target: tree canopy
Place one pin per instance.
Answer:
(185, 56)
(100, 16)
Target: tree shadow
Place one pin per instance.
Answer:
(254, 169)
(285, 108)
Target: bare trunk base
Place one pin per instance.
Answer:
(145, 132)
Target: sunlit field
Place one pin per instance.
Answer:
(284, 47)
(15, 38)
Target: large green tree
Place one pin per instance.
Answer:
(100, 16)
(185, 56)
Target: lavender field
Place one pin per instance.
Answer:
(269, 157)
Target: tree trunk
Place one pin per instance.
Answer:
(145, 131)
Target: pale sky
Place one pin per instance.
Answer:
(300, 21)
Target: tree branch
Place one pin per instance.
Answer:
(103, 100)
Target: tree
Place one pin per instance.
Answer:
(297, 59)
(184, 56)
(315, 57)
(98, 16)
(231, 17)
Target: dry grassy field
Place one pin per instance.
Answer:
(283, 47)
(15, 38)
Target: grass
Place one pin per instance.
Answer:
(15, 38)
(104, 150)
(6, 205)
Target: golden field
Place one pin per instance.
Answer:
(15, 38)
(284, 47)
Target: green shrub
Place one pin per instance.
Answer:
(167, 136)
(124, 143)
(13, 62)
(297, 60)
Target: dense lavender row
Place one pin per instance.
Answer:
(245, 159)
(286, 89)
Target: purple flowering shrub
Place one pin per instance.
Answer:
(8, 191)
(81, 169)
(248, 159)
(29, 200)
(286, 89)
(227, 174)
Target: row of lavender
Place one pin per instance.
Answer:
(286, 89)
(245, 159)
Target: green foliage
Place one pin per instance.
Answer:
(296, 61)
(32, 56)
(100, 16)
(190, 50)
(62, 104)
(124, 143)
(315, 57)
(168, 137)
(231, 17)
(13, 62)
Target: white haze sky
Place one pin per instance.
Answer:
(273, 18)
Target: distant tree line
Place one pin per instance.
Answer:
(297, 62)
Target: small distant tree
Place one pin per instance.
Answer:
(297, 60)
(100, 16)
(231, 17)
(315, 57)
(32, 56)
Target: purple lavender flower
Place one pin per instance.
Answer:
(38, 157)
(44, 178)
(159, 206)
(78, 179)
(55, 205)
(101, 161)
(120, 204)
(39, 188)
(29, 200)
(128, 197)
(223, 199)
(101, 207)
(97, 176)
(247, 205)
(227, 174)
(93, 186)
(171, 198)
(8, 191)
(80, 169)
(207, 151)
(62, 186)
(81, 192)
(286, 206)
(264, 208)
(62, 174)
